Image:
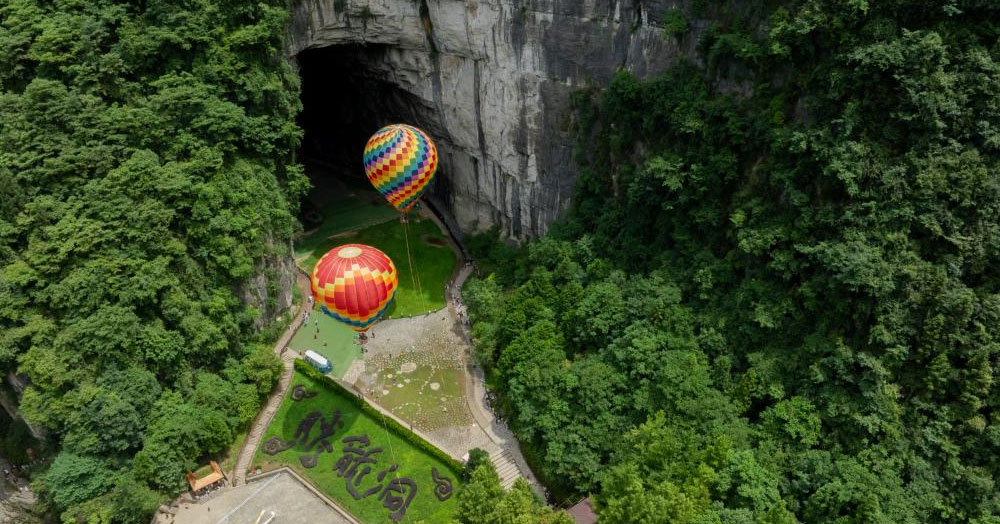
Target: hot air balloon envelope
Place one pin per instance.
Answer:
(354, 284)
(400, 160)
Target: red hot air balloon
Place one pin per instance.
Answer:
(355, 284)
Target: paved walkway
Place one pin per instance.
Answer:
(505, 451)
(239, 473)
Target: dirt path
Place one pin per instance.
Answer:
(239, 473)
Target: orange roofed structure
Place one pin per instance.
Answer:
(206, 481)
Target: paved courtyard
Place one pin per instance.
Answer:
(415, 368)
(290, 500)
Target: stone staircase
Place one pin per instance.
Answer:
(263, 420)
(503, 461)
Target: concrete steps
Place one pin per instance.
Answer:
(506, 467)
(263, 420)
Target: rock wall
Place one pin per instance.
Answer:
(270, 289)
(493, 80)
(10, 399)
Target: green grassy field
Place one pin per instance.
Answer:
(356, 209)
(412, 462)
(330, 338)
(433, 263)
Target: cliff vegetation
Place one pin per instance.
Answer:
(776, 297)
(145, 159)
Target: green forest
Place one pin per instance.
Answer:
(775, 299)
(146, 166)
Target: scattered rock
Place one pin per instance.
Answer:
(435, 386)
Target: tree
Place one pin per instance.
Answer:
(483, 500)
(478, 498)
(133, 502)
(477, 457)
(263, 368)
(146, 153)
(72, 479)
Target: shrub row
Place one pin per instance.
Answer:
(455, 466)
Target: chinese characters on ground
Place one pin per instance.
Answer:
(300, 392)
(357, 464)
(396, 495)
(326, 430)
(442, 485)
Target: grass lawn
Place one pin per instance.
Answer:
(412, 462)
(355, 207)
(433, 260)
(339, 347)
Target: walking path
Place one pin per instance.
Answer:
(505, 451)
(239, 473)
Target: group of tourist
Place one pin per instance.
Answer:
(207, 490)
(455, 295)
(494, 405)
(308, 310)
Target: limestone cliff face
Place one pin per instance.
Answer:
(491, 80)
(270, 289)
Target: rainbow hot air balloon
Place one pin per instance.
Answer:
(400, 161)
(354, 284)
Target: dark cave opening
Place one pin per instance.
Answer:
(348, 93)
(346, 97)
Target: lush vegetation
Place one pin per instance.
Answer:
(422, 240)
(145, 155)
(776, 297)
(17, 445)
(414, 456)
(484, 501)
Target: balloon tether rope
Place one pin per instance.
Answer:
(414, 277)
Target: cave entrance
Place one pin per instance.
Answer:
(347, 95)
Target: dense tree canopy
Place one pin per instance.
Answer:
(774, 301)
(145, 159)
(483, 500)
(776, 297)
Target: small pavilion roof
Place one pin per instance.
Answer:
(214, 476)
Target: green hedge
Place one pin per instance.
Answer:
(456, 467)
